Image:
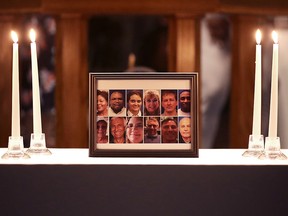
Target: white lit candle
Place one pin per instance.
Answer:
(256, 130)
(274, 89)
(37, 127)
(15, 125)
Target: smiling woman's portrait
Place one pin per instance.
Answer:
(102, 135)
(102, 103)
(152, 103)
(134, 102)
(134, 130)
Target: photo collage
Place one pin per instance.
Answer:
(143, 116)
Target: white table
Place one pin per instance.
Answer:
(219, 182)
(79, 156)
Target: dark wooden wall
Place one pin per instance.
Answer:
(184, 52)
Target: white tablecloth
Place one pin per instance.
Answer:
(68, 156)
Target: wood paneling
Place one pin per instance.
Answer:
(186, 52)
(5, 79)
(256, 3)
(163, 7)
(72, 81)
(184, 44)
(16, 6)
(129, 6)
(260, 7)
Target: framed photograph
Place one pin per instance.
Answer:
(143, 114)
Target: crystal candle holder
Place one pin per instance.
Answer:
(15, 149)
(255, 146)
(272, 149)
(38, 145)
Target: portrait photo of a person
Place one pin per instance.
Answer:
(117, 129)
(184, 103)
(102, 135)
(169, 102)
(135, 130)
(151, 103)
(116, 102)
(102, 103)
(152, 128)
(185, 130)
(169, 130)
(134, 102)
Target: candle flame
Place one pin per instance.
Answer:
(275, 37)
(258, 36)
(14, 36)
(32, 35)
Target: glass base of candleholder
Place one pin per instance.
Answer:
(272, 149)
(15, 149)
(38, 145)
(255, 146)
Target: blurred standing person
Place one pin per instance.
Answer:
(215, 74)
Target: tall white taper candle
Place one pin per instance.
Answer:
(274, 89)
(37, 125)
(256, 130)
(15, 125)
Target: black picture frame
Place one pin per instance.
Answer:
(103, 136)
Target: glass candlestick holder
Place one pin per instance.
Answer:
(38, 145)
(15, 149)
(255, 146)
(272, 149)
